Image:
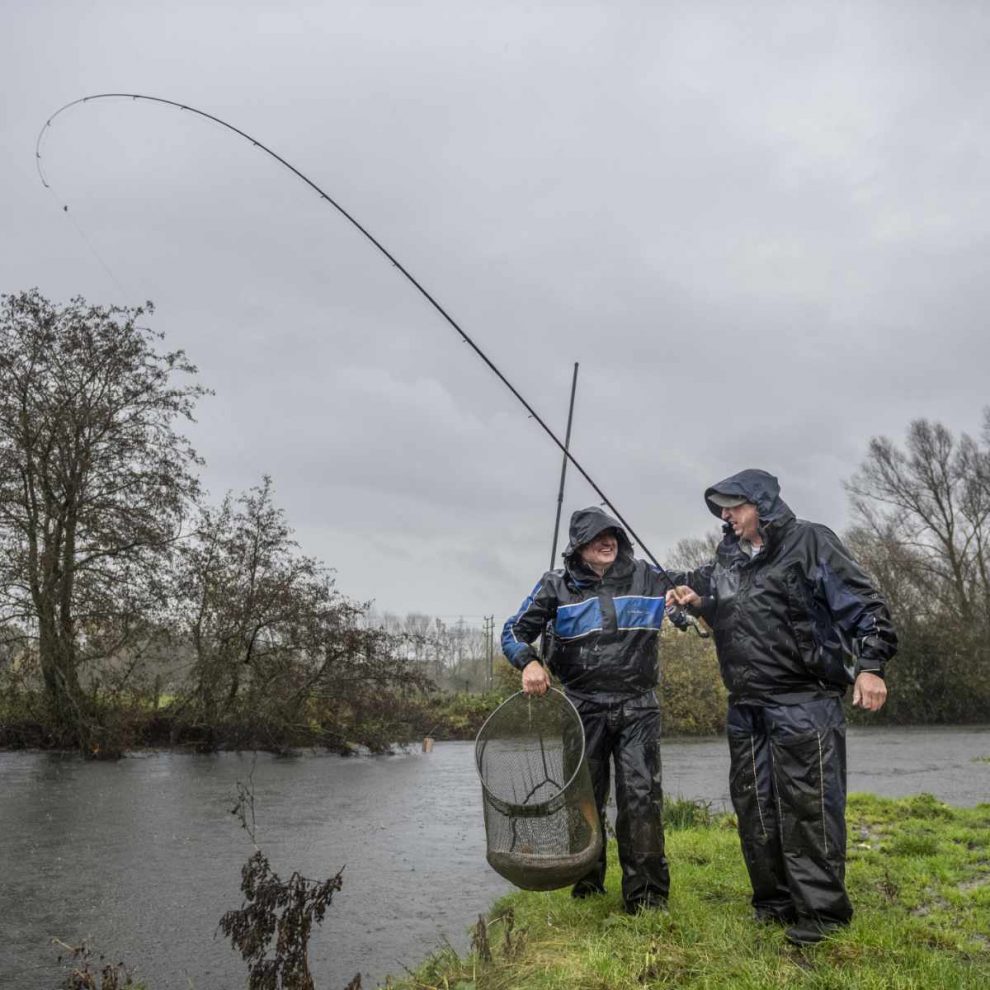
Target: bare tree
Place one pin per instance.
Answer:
(923, 529)
(931, 501)
(94, 481)
(693, 551)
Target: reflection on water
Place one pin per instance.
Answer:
(143, 856)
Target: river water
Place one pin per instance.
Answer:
(142, 857)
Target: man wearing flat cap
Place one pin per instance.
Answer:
(796, 622)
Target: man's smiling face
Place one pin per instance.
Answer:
(600, 553)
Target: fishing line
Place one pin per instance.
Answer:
(381, 247)
(82, 236)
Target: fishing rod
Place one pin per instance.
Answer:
(546, 637)
(388, 254)
(563, 468)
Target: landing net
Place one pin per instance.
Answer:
(541, 822)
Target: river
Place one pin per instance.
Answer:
(142, 856)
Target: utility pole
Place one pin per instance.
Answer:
(459, 663)
(490, 643)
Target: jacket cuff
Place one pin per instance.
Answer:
(703, 610)
(867, 665)
(526, 655)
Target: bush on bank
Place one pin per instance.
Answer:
(692, 696)
(919, 877)
(116, 725)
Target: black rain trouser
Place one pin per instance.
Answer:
(628, 734)
(787, 779)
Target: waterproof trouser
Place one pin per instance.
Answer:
(627, 734)
(787, 780)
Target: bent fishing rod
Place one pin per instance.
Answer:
(388, 254)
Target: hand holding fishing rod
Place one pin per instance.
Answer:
(682, 597)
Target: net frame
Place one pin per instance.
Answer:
(526, 810)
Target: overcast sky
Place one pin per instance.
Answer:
(760, 228)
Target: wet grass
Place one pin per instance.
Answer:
(679, 813)
(918, 874)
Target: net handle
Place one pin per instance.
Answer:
(479, 745)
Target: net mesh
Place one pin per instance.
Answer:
(541, 821)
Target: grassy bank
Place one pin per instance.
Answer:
(918, 874)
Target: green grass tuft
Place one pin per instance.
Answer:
(681, 813)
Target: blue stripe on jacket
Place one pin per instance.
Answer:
(638, 612)
(579, 619)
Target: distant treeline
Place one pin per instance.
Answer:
(134, 612)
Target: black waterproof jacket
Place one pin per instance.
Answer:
(604, 629)
(798, 620)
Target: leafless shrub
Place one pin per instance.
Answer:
(85, 974)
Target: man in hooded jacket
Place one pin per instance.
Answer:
(796, 621)
(606, 608)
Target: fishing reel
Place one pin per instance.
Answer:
(682, 621)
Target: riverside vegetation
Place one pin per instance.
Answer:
(692, 697)
(919, 877)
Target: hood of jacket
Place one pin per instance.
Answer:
(586, 524)
(763, 490)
